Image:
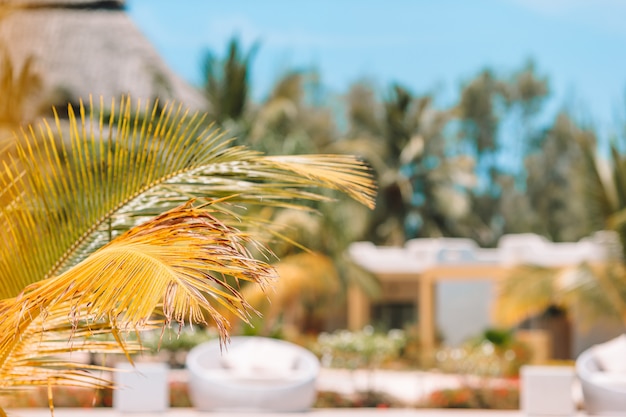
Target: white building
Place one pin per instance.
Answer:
(447, 286)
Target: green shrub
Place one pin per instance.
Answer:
(361, 349)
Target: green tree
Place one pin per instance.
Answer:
(593, 289)
(316, 272)
(556, 182)
(479, 112)
(227, 84)
(288, 121)
(497, 116)
(423, 186)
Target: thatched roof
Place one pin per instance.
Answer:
(82, 47)
(117, 4)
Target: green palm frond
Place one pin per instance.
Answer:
(71, 188)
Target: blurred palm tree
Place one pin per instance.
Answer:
(110, 219)
(15, 89)
(227, 83)
(557, 182)
(423, 187)
(487, 103)
(289, 120)
(593, 290)
(314, 267)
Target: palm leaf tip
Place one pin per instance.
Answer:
(345, 173)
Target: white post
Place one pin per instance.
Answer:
(547, 390)
(142, 388)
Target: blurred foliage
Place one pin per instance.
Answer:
(495, 353)
(493, 161)
(359, 349)
(176, 338)
(482, 397)
(375, 399)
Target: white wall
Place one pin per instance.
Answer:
(463, 309)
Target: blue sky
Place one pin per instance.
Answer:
(429, 46)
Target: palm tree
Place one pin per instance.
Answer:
(17, 88)
(114, 218)
(423, 189)
(227, 82)
(313, 265)
(593, 290)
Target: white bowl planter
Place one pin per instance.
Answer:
(253, 374)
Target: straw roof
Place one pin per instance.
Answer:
(116, 4)
(83, 47)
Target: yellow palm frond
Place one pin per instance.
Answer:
(525, 291)
(596, 290)
(35, 349)
(341, 172)
(593, 290)
(305, 278)
(99, 231)
(72, 186)
(177, 263)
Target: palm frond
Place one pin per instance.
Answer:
(340, 172)
(527, 290)
(71, 187)
(178, 262)
(307, 278)
(83, 254)
(595, 291)
(39, 354)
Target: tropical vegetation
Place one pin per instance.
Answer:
(590, 290)
(493, 161)
(146, 216)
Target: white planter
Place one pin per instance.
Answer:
(143, 388)
(256, 374)
(547, 390)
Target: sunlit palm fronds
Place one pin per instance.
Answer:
(527, 290)
(306, 280)
(594, 291)
(72, 188)
(340, 172)
(41, 349)
(75, 261)
(177, 263)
